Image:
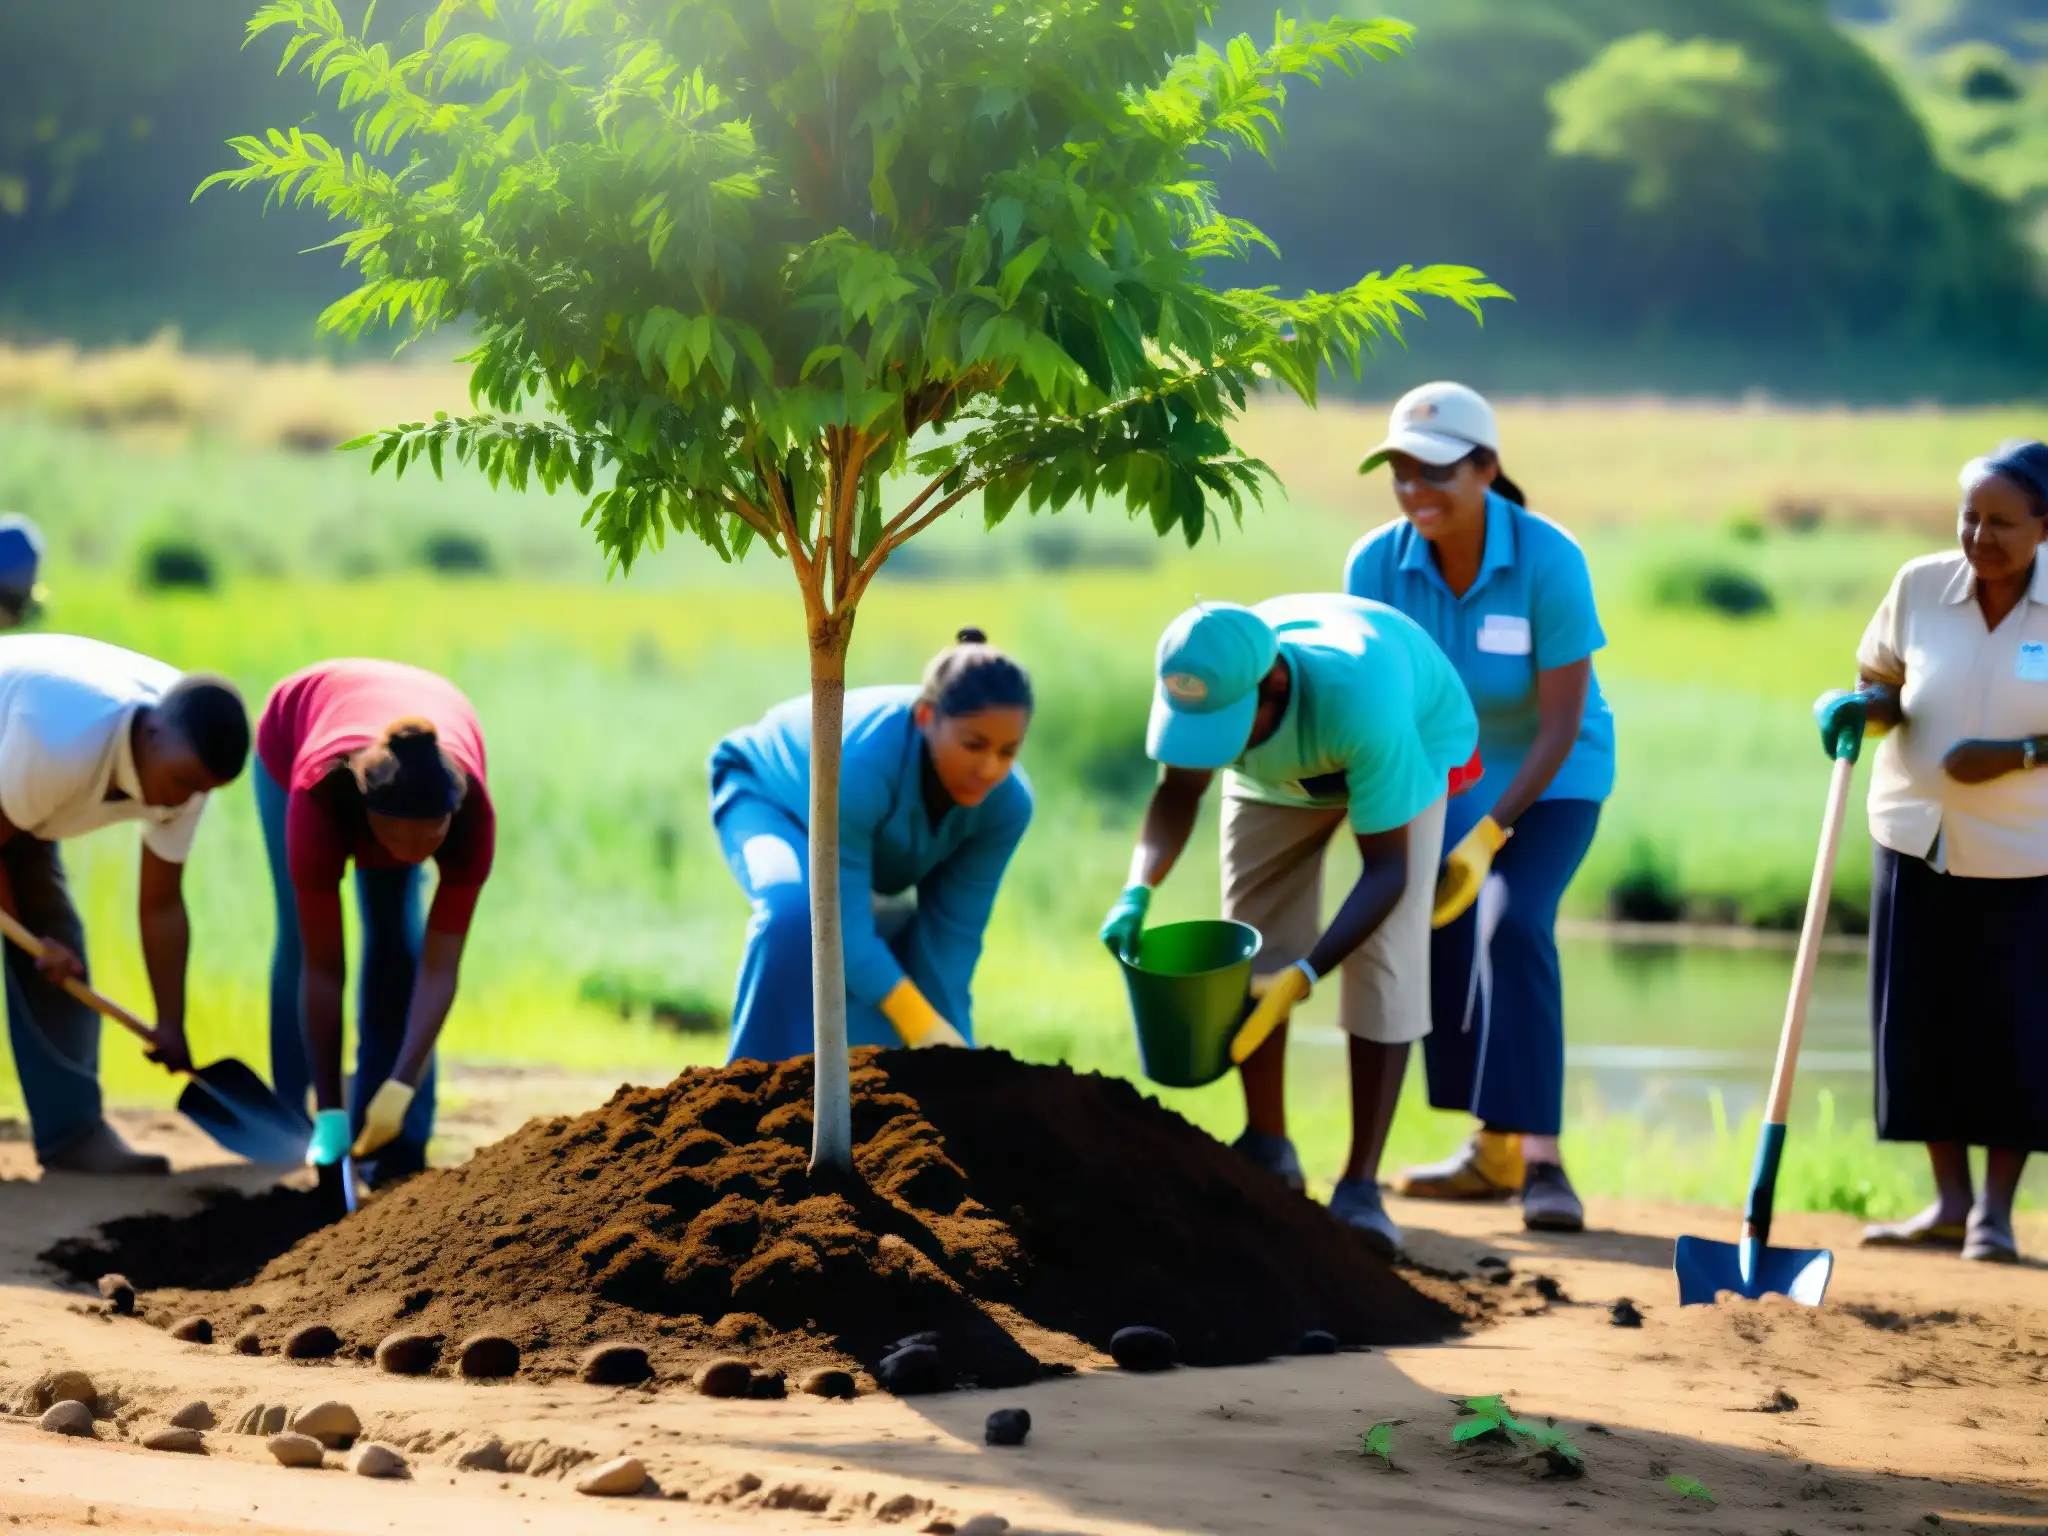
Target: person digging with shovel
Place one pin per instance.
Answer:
(91, 735)
(1326, 710)
(383, 765)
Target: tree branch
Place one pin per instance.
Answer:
(761, 522)
(890, 542)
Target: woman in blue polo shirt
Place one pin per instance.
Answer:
(931, 802)
(1508, 597)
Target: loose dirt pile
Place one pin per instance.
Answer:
(1025, 1213)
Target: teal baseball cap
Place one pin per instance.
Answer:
(1211, 661)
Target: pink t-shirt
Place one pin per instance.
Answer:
(313, 721)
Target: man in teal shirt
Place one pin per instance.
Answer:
(1324, 709)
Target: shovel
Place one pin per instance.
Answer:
(227, 1100)
(1752, 1267)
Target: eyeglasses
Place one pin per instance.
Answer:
(1434, 474)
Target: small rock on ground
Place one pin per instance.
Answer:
(192, 1330)
(620, 1477)
(331, 1423)
(370, 1459)
(1780, 1401)
(64, 1386)
(769, 1386)
(193, 1416)
(914, 1370)
(409, 1354)
(69, 1417)
(724, 1378)
(187, 1442)
(1625, 1314)
(296, 1450)
(1007, 1426)
(118, 1294)
(1143, 1349)
(828, 1382)
(488, 1357)
(315, 1341)
(1317, 1341)
(615, 1365)
(248, 1342)
(983, 1525)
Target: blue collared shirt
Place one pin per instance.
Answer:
(1530, 610)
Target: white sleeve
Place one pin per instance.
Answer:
(171, 840)
(36, 780)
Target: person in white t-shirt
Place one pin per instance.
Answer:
(91, 735)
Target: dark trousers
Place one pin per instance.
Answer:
(393, 926)
(55, 1038)
(1501, 1055)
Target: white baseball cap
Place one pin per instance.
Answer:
(1438, 424)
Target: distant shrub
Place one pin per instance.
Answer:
(1719, 588)
(178, 564)
(679, 1009)
(1646, 890)
(453, 553)
(1746, 530)
(1056, 548)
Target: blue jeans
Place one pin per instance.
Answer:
(1503, 1058)
(393, 926)
(55, 1038)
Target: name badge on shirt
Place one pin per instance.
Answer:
(2033, 663)
(1505, 634)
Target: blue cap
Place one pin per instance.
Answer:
(21, 557)
(1211, 661)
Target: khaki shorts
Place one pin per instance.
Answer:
(1273, 879)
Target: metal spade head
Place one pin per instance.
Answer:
(239, 1110)
(1749, 1268)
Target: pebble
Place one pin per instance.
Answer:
(192, 1330)
(118, 1294)
(983, 1525)
(1625, 1314)
(315, 1341)
(371, 1459)
(334, 1424)
(620, 1477)
(1492, 1261)
(769, 1386)
(488, 1356)
(724, 1378)
(1007, 1426)
(188, 1442)
(193, 1416)
(914, 1370)
(827, 1381)
(1547, 1287)
(408, 1354)
(69, 1417)
(1143, 1349)
(615, 1365)
(1780, 1401)
(61, 1387)
(248, 1342)
(296, 1450)
(1317, 1341)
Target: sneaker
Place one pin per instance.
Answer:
(1275, 1154)
(1357, 1203)
(1988, 1238)
(1488, 1167)
(101, 1151)
(1926, 1230)
(1549, 1203)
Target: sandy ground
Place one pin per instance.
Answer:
(1922, 1393)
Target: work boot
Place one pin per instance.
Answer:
(1357, 1203)
(1988, 1238)
(1926, 1230)
(1488, 1167)
(1275, 1154)
(102, 1151)
(1549, 1203)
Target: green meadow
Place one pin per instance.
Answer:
(601, 697)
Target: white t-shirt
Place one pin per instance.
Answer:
(67, 758)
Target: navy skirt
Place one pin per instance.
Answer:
(1959, 1006)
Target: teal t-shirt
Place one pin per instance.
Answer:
(1377, 719)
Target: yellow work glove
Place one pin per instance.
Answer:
(916, 1020)
(1277, 996)
(1465, 870)
(385, 1117)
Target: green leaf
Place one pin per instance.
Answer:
(1018, 270)
(1379, 1441)
(1690, 1488)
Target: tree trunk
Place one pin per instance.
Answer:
(832, 1106)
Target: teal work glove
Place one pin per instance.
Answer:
(1126, 922)
(1842, 717)
(330, 1139)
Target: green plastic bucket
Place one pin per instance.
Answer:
(1189, 992)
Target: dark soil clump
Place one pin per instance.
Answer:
(997, 1202)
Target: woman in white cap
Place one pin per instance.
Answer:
(1326, 710)
(1508, 597)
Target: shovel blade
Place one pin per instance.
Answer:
(234, 1106)
(1706, 1269)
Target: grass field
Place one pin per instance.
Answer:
(601, 701)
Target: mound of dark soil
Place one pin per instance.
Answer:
(1012, 1208)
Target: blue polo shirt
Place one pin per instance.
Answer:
(1530, 610)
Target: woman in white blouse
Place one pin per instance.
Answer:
(1957, 659)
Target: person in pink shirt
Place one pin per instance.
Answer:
(380, 764)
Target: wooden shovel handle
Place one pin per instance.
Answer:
(11, 926)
